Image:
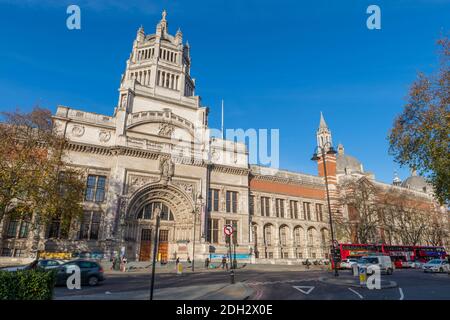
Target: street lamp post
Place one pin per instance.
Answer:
(200, 198)
(315, 157)
(155, 252)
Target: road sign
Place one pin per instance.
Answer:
(304, 289)
(228, 230)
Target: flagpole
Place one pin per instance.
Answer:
(223, 134)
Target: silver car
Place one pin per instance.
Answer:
(436, 265)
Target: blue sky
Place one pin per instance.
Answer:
(277, 64)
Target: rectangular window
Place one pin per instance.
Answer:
(213, 230)
(231, 202)
(11, 232)
(294, 209)
(306, 211)
(319, 212)
(265, 206)
(24, 229)
(90, 225)
(279, 207)
(95, 190)
(234, 223)
(56, 230)
(213, 201)
(19, 253)
(251, 205)
(6, 252)
(164, 236)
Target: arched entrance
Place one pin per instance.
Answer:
(175, 209)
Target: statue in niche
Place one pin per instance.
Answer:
(166, 169)
(123, 104)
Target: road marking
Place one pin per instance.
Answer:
(402, 296)
(308, 290)
(280, 282)
(355, 292)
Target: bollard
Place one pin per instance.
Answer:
(232, 276)
(355, 270)
(180, 269)
(362, 276)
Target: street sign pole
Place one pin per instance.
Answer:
(228, 230)
(155, 247)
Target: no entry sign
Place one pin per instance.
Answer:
(228, 230)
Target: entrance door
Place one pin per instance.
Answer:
(146, 244)
(163, 250)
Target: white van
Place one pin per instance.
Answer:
(384, 262)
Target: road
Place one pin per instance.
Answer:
(282, 285)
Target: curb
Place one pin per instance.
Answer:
(389, 285)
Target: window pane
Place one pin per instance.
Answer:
(54, 228)
(216, 200)
(12, 229)
(89, 194)
(100, 195)
(234, 194)
(24, 228)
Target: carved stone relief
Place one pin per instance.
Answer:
(78, 131)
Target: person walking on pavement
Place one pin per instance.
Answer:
(114, 263)
(124, 264)
(224, 262)
(206, 263)
(307, 263)
(176, 264)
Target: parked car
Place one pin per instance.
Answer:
(30, 266)
(384, 262)
(399, 264)
(42, 263)
(436, 265)
(348, 263)
(49, 263)
(92, 272)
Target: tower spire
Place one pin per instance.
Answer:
(323, 134)
(322, 124)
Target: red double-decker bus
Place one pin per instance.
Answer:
(402, 256)
(356, 251)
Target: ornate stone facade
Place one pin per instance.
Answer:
(153, 155)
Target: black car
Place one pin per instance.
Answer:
(91, 272)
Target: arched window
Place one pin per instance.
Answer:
(268, 235)
(311, 237)
(297, 236)
(147, 212)
(283, 236)
(324, 236)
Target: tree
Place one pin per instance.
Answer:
(33, 178)
(363, 221)
(405, 219)
(437, 231)
(420, 137)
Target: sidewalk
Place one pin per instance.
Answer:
(137, 267)
(222, 291)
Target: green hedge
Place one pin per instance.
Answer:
(27, 285)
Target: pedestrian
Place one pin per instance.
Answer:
(224, 262)
(176, 264)
(206, 263)
(124, 264)
(307, 263)
(114, 263)
(189, 260)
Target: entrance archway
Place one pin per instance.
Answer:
(176, 221)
